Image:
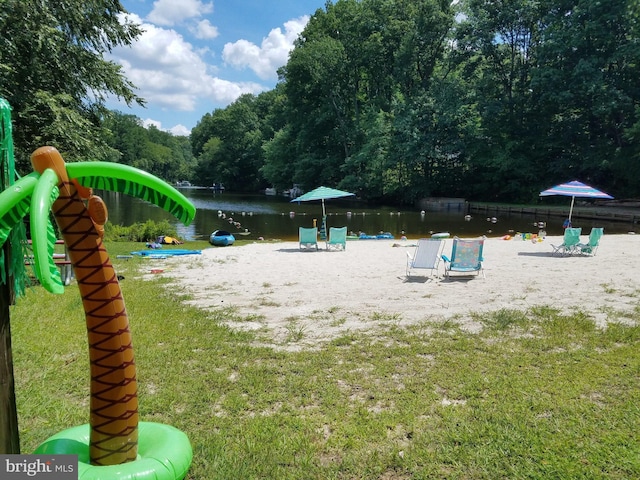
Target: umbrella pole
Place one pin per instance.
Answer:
(323, 226)
(571, 209)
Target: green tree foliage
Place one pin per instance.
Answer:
(587, 81)
(160, 153)
(343, 81)
(484, 99)
(555, 91)
(228, 145)
(54, 74)
(496, 50)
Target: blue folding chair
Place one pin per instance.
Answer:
(466, 257)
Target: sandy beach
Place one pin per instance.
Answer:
(319, 295)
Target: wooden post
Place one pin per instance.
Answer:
(9, 435)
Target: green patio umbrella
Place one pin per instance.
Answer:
(322, 194)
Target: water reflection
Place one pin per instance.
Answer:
(274, 217)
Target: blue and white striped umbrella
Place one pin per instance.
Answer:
(575, 189)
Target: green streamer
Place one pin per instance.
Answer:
(17, 235)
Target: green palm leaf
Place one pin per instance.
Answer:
(43, 236)
(115, 177)
(14, 204)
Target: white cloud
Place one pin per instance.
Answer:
(204, 30)
(172, 12)
(272, 54)
(180, 131)
(148, 122)
(171, 74)
(177, 130)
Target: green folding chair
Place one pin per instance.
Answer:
(591, 246)
(308, 238)
(569, 243)
(337, 238)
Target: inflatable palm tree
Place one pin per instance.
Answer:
(66, 191)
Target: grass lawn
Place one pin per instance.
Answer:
(534, 395)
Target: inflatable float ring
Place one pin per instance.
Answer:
(164, 453)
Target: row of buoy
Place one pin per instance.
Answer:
(467, 218)
(221, 214)
(495, 220)
(349, 214)
(233, 222)
(292, 214)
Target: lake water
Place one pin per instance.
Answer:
(275, 217)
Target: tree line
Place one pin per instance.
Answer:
(394, 100)
(402, 99)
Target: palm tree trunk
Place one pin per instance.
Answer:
(114, 400)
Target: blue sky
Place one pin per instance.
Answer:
(197, 55)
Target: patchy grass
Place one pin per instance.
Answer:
(265, 302)
(532, 394)
(295, 331)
